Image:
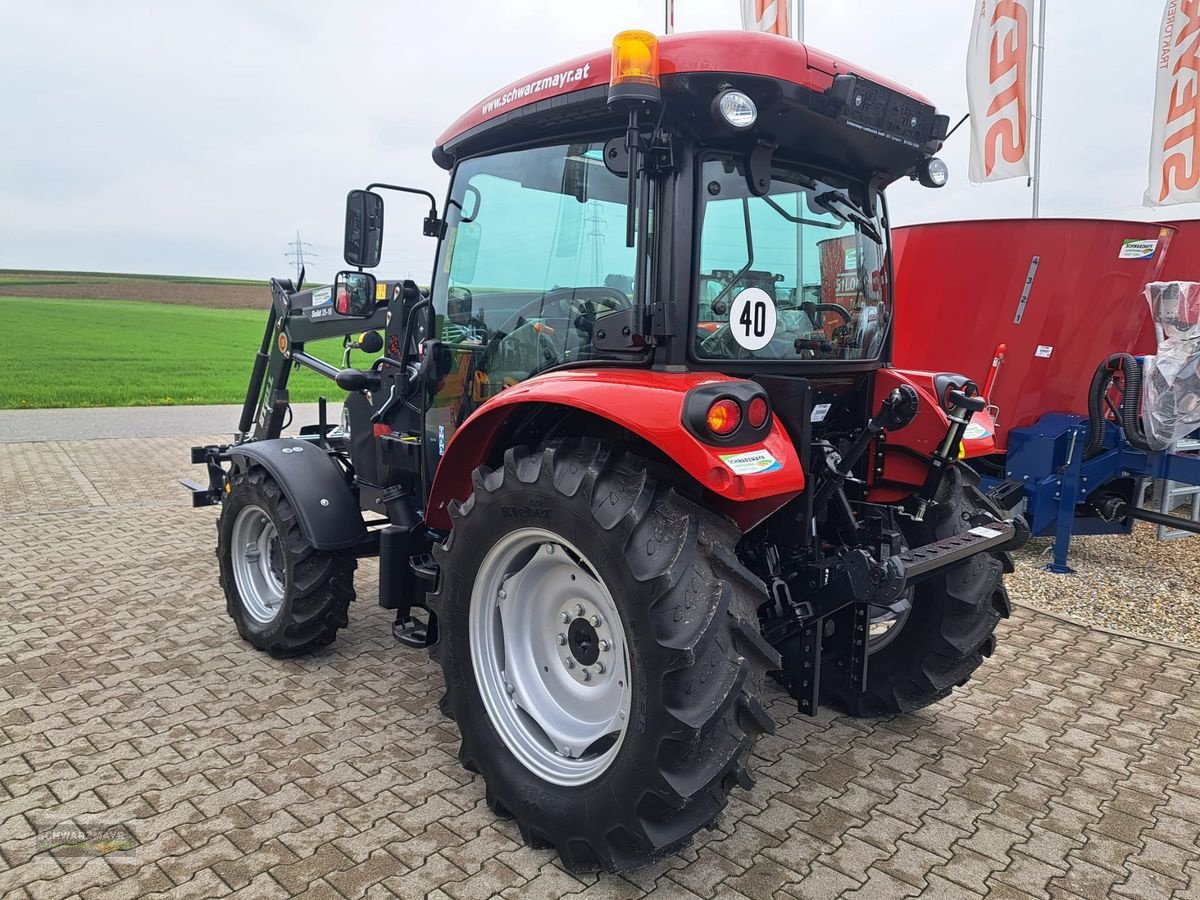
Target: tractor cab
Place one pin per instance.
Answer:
(707, 201)
(638, 444)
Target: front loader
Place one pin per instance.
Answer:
(639, 445)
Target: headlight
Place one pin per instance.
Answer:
(933, 172)
(736, 109)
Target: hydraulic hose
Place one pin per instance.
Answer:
(1131, 400)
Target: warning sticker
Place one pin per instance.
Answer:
(322, 297)
(1043, 351)
(381, 291)
(981, 531)
(820, 411)
(752, 462)
(1132, 249)
(752, 318)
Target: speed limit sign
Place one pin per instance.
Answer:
(752, 318)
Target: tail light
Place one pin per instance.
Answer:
(724, 416)
(756, 415)
(727, 413)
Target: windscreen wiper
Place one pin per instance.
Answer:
(831, 200)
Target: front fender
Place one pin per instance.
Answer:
(326, 509)
(647, 403)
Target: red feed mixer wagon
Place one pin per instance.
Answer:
(1038, 306)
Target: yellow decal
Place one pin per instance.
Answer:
(381, 291)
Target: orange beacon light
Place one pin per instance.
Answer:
(634, 67)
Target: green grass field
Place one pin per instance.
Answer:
(66, 353)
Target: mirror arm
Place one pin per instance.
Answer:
(631, 148)
(433, 226)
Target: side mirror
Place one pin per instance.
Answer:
(354, 294)
(364, 229)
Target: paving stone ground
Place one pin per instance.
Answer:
(1069, 768)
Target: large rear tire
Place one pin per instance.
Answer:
(950, 628)
(285, 596)
(613, 774)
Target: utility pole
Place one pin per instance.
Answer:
(1036, 178)
(300, 250)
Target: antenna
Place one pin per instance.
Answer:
(299, 252)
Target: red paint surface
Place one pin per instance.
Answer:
(902, 471)
(736, 52)
(645, 402)
(958, 285)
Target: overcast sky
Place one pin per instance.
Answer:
(197, 138)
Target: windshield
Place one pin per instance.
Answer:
(798, 274)
(534, 255)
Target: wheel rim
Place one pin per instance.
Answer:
(550, 656)
(887, 622)
(258, 564)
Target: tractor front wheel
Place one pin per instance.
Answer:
(285, 596)
(600, 646)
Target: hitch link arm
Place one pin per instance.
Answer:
(962, 404)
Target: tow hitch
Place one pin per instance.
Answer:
(852, 585)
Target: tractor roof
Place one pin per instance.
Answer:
(711, 53)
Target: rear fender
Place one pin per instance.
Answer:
(325, 506)
(648, 404)
(905, 461)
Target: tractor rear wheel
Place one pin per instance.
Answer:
(285, 596)
(943, 638)
(600, 646)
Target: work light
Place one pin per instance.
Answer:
(736, 109)
(933, 172)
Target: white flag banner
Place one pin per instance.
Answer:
(770, 16)
(999, 65)
(1175, 146)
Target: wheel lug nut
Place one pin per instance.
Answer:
(595, 620)
(566, 617)
(562, 640)
(605, 645)
(502, 595)
(599, 668)
(579, 609)
(508, 687)
(587, 675)
(569, 663)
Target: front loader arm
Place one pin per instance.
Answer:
(295, 319)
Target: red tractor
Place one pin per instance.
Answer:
(639, 445)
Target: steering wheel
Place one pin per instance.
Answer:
(782, 345)
(814, 311)
(577, 303)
